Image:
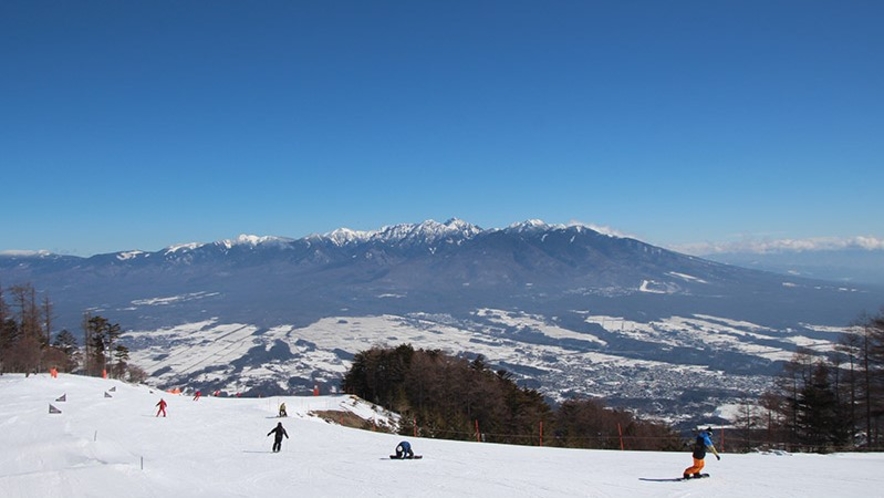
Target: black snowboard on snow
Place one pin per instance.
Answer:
(695, 476)
(416, 457)
(674, 479)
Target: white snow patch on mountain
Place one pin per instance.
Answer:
(345, 236)
(156, 301)
(653, 287)
(536, 323)
(127, 255)
(702, 330)
(184, 247)
(430, 231)
(687, 277)
(252, 240)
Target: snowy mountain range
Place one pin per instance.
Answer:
(567, 309)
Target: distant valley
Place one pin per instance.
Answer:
(568, 310)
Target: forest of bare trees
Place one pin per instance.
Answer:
(29, 345)
(824, 401)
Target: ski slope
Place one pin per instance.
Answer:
(103, 446)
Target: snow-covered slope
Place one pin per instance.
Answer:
(108, 442)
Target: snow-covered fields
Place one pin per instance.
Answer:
(108, 442)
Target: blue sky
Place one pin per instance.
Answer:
(139, 125)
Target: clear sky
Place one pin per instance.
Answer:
(139, 125)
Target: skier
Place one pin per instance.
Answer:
(278, 432)
(162, 404)
(403, 450)
(196, 396)
(282, 412)
(701, 444)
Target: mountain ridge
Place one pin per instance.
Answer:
(526, 261)
(569, 310)
(428, 230)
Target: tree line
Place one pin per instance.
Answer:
(29, 345)
(443, 396)
(824, 401)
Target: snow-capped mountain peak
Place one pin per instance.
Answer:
(345, 236)
(429, 231)
(252, 240)
(531, 226)
(191, 246)
(127, 255)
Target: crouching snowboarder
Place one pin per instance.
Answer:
(701, 444)
(278, 432)
(403, 450)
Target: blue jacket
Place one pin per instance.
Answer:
(702, 442)
(707, 441)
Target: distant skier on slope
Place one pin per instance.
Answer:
(403, 450)
(282, 412)
(278, 432)
(701, 444)
(162, 407)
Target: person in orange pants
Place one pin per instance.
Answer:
(701, 445)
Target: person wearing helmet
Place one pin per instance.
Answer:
(701, 445)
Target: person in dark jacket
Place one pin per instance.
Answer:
(403, 450)
(278, 432)
(701, 444)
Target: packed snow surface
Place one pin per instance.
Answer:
(107, 441)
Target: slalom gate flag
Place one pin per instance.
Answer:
(53, 409)
(107, 395)
(63, 397)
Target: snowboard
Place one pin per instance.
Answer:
(693, 477)
(674, 479)
(416, 457)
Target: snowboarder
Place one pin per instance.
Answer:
(701, 444)
(162, 404)
(403, 450)
(282, 412)
(278, 432)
